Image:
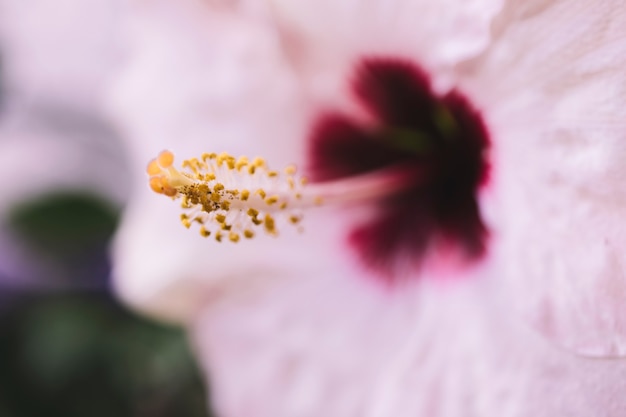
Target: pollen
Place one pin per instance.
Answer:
(229, 197)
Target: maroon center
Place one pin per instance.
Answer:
(441, 141)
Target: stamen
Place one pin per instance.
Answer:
(232, 197)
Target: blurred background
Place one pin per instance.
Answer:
(67, 348)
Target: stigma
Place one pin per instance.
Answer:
(233, 198)
(229, 198)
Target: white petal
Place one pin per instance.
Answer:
(553, 89)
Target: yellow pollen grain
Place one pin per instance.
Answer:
(283, 205)
(242, 162)
(186, 223)
(248, 234)
(261, 193)
(258, 162)
(252, 212)
(189, 164)
(220, 218)
(245, 194)
(204, 232)
(304, 181)
(290, 170)
(218, 187)
(257, 221)
(218, 236)
(208, 156)
(271, 200)
(294, 219)
(222, 157)
(226, 227)
(272, 174)
(233, 237)
(226, 205)
(269, 224)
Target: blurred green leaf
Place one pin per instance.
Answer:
(84, 355)
(64, 221)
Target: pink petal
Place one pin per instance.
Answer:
(324, 38)
(329, 346)
(200, 80)
(553, 88)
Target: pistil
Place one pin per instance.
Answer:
(233, 198)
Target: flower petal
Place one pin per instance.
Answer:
(199, 80)
(553, 88)
(442, 32)
(325, 38)
(329, 346)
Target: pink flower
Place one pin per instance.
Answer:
(508, 117)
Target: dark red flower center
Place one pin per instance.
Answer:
(441, 142)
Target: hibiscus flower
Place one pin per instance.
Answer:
(465, 259)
